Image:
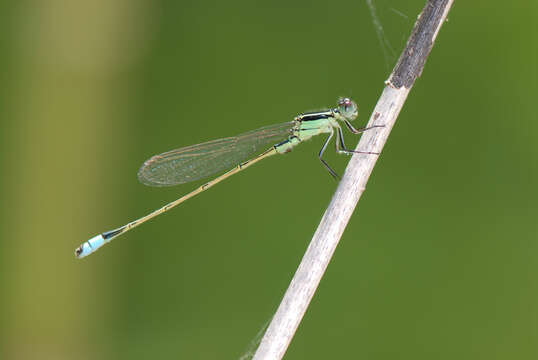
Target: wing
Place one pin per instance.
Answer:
(195, 162)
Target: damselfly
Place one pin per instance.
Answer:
(200, 161)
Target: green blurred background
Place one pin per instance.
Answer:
(439, 261)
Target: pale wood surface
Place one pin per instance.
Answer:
(307, 277)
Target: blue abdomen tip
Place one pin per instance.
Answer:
(89, 246)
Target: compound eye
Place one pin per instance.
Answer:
(347, 108)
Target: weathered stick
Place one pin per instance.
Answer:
(305, 281)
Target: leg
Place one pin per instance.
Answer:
(358, 131)
(331, 171)
(341, 147)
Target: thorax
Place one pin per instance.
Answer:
(312, 124)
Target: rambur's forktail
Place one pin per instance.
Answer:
(199, 161)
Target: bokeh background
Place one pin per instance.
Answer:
(440, 260)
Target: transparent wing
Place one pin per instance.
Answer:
(195, 162)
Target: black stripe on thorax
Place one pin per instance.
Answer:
(315, 116)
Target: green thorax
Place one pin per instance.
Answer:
(307, 126)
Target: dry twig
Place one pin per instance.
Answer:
(332, 225)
